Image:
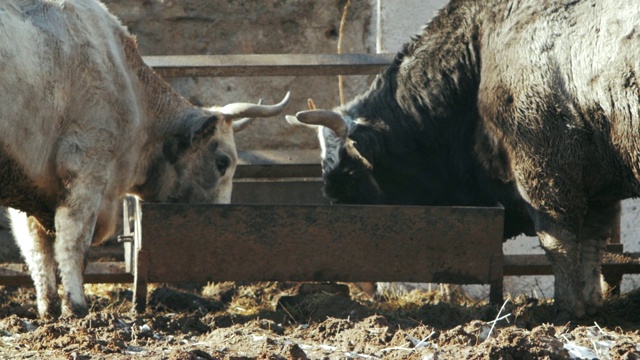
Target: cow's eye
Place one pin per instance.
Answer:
(222, 164)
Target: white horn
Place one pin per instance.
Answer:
(326, 118)
(241, 124)
(292, 120)
(239, 110)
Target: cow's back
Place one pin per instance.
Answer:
(64, 79)
(69, 98)
(562, 76)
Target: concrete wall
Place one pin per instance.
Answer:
(397, 20)
(184, 27)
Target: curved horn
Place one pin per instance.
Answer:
(238, 110)
(241, 124)
(292, 120)
(326, 118)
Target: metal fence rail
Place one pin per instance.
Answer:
(268, 65)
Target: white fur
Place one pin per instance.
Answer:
(84, 124)
(38, 255)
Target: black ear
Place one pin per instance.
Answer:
(206, 130)
(188, 138)
(353, 151)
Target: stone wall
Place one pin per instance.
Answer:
(196, 27)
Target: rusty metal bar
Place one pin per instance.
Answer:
(16, 274)
(278, 164)
(270, 157)
(96, 272)
(278, 191)
(141, 280)
(291, 170)
(519, 265)
(268, 64)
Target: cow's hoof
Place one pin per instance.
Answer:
(593, 310)
(562, 317)
(49, 314)
(74, 311)
(49, 310)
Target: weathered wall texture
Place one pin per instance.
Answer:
(397, 20)
(196, 27)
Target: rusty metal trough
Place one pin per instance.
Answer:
(257, 242)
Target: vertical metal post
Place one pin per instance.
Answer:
(128, 230)
(613, 279)
(140, 262)
(497, 279)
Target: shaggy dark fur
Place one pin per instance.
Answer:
(533, 104)
(421, 133)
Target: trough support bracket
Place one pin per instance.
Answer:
(140, 281)
(497, 280)
(136, 258)
(613, 277)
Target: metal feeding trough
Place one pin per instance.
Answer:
(267, 242)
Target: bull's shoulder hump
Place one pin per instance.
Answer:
(57, 26)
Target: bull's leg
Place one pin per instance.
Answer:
(74, 230)
(596, 230)
(557, 204)
(36, 246)
(562, 250)
(561, 246)
(75, 222)
(84, 167)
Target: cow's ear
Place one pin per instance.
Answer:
(352, 150)
(205, 131)
(189, 137)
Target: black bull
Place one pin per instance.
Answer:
(531, 104)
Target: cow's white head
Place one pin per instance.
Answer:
(199, 159)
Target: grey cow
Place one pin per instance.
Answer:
(83, 122)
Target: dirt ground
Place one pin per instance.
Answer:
(317, 321)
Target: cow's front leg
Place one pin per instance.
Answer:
(563, 251)
(597, 228)
(75, 223)
(36, 245)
